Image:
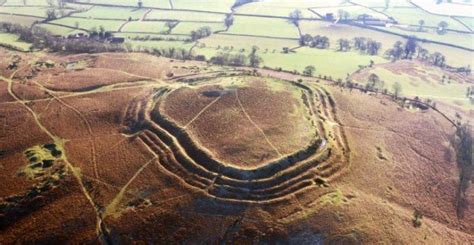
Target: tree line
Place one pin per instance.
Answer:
(239, 59)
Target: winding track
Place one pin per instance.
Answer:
(101, 229)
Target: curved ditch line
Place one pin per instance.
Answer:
(202, 111)
(255, 125)
(294, 173)
(192, 167)
(232, 198)
(174, 134)
(179, 140)
(170, 140)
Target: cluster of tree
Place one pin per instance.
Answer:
(364, 45)
(463, 145)
(367, 45)
(238, 59)
(321, 42)
(202, 32)
(410, 49)
(42, 39)
(436, 58)
(403, 50)
(171, 52)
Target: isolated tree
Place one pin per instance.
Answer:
(422, 54)
(410, 47)
(170, 24)
(438, 59)
(295, 17)
(254, 59)
(50, 14)
(140, 4)
(397, 89)
(442, 26)
(229, 20)
(387, 4)
(309, 70)
(421, 23)
(374, 82)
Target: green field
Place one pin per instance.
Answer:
(222, 40)
(467, 21)
(353, 10)
(57, 30)
(113, 13)
(22, 20)
(89, 24)
(145, 26)
(185, 28)
(11, 40)
(327, 62)
(39, 12)
(280, 8)
(268, 27)
(459, 39)
(130, 3)
(137, 45)
(28, 2)
(412, 16)
(184, 16)
(381, 4)
(270, 35)
(426, 87)
(204, 5)
(337, 31)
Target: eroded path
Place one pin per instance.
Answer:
(100, 226)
